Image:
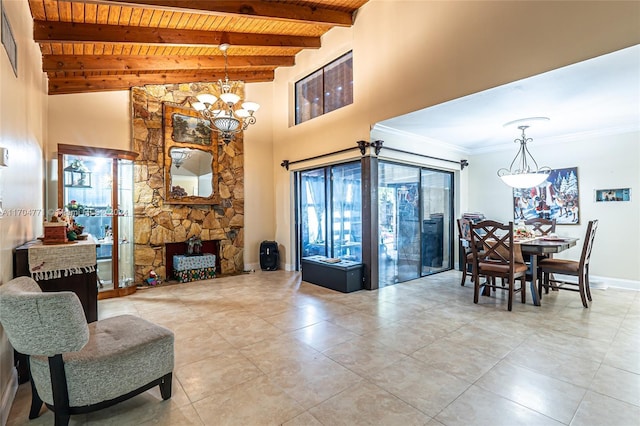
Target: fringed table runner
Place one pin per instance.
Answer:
(48, 262)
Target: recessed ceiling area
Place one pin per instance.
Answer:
(597, 96)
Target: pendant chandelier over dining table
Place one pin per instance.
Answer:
(225, 113)
(524, 171)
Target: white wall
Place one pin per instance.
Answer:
(259, 207)
(101, 120)
(23, 104)
(603, 162)
(90, 119)
(408, 55)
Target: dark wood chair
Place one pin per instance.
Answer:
(580, 269)
(542, 226)
(466, 254)
(496, 256)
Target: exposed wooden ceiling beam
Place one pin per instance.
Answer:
(259, 9)
(66, 85)
(72, 63)
(48, 31)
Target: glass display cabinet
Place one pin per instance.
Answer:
(95, 186)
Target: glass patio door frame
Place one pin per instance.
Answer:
(330, 248)
(409, 230)
(371, 242)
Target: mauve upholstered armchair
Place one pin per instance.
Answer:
(77, 367)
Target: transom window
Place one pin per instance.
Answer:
(325, 90)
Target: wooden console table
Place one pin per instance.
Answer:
(83, 281)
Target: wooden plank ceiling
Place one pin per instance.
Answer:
(99, 45)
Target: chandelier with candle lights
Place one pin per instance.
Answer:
(227, 114)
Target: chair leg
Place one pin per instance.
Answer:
(545, 283)
(523, 289)
(493, 286)
(36, 402)
(587, 287)
(583, 295)
(510, 302)
(61, 419)
(464, 274)
(59, 390)
(476, 288)
(165, 386)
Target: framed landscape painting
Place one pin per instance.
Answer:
(555, 198)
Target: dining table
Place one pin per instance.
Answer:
(540, 247)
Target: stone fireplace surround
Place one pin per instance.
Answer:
(157, 223)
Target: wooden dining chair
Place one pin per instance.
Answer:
(496, 256)
(542, 226)
(466, 254)
(579, 268)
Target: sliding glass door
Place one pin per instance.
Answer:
(399, 223)
(346, 206)
(330, 212)
(415, 216)
(437, 214)
(313, 212)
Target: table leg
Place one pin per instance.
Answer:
(534, 280)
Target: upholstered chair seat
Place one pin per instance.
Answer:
(77, 367)
(501, 268)
(122, 353)
(560, 266)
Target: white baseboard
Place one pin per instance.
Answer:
(256, 267)
(603, 283)
(8, 396)
(252, 266)
(596, 282)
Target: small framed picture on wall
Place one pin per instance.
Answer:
(607, 195)
(8, 41)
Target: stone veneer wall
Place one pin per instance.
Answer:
(157, 223)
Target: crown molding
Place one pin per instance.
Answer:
(419, 138)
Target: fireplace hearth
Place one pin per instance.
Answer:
(171, 249)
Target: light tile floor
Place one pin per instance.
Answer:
(268, 349)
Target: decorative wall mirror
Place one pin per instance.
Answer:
(190, 158)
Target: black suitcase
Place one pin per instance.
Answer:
(269, 255)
